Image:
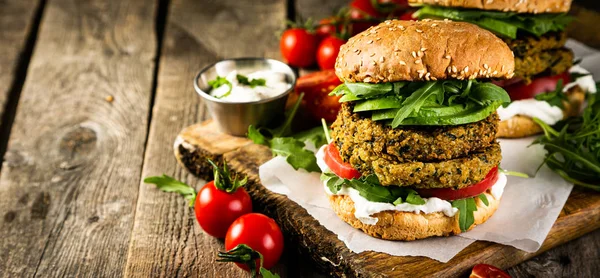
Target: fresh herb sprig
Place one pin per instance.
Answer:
(573, 146)
(506, 24)
(243, 80)
(554, 98)
(282, 143)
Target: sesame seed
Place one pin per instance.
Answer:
(421, 75)
(447, 20)
(454, 69)
(358, 52)
(402, 63)
(433, 25)
(433, 78)
(466, 69)
(382, 59)
(427, 75)
(502, 68)
(418, 61)
(396, 53)
(419, 53)
(485, 66)
(388, 22)
(401, 27)
(419, 31)
(447, 57)
(374, 63)
(495, 72)
(449, 69)
(421, 71)
(361, 63)
(378, 39)
(370, 42)
(414, 54)
(423, 49)
(372, 54)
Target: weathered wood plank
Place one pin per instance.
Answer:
(17, 24)
(71, 174)
(166, 241)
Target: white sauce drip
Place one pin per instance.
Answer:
(363, 208)
(541, 109)
(275, 85)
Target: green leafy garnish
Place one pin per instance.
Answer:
(218, 82)
(244, 254)
(292, 147)
(250, 82)
(573, 146)
(448, 102)
(556, 97)
(223, 178)
(483, 199)
(506, 24)
(465, 207)
(169, 184)
(369, 188)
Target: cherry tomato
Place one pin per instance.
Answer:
(327, 27)
(487, 271)
(337, 165)
(216, 209)
(361, 9)
(259, 232)
(537, 86)
(298, 47)
(316, 87)
(470, 191)
(328, 52)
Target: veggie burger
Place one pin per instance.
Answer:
(546, 85)
(413, 151)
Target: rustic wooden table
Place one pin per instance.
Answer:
(92, 94)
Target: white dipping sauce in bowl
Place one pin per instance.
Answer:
(275, 83)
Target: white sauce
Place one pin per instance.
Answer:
(541, 109)
(363, 208)
(275, 85)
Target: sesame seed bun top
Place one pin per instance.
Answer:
(423, 50)
(519, 6)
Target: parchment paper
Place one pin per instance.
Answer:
(527, 211)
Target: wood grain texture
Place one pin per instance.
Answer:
(580, 215)
(16, 24)
(70, 177)
(166, 241)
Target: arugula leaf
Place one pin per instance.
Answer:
(398, 201)
(573, 146)
(169, 184)
(506, 24)
(414, 102)
(295, 154)
(487, 93)
(556, 97)
(265, 273)
(368, 89)
(333, 182)
(250, 82)
(414, 198)
(371, 191)
(465, 207)
(484, 199)
(218, 82)
(316, 135)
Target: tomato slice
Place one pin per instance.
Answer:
(337, 165)
(487, 271)
(537, 86)
(450, 194)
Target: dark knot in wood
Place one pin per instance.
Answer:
(80, 140)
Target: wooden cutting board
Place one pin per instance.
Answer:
(195, 143)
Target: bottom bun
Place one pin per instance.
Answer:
(523, 126)
(398, 225)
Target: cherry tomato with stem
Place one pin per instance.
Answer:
(259, 232)
(217, 204)
(328, 27)
(298, 47)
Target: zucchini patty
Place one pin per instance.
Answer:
(360, 139)
(551, 62)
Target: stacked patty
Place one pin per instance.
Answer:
(544, 55)
(418, 156)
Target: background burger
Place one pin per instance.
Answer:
(414, 151)
(534, 31)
